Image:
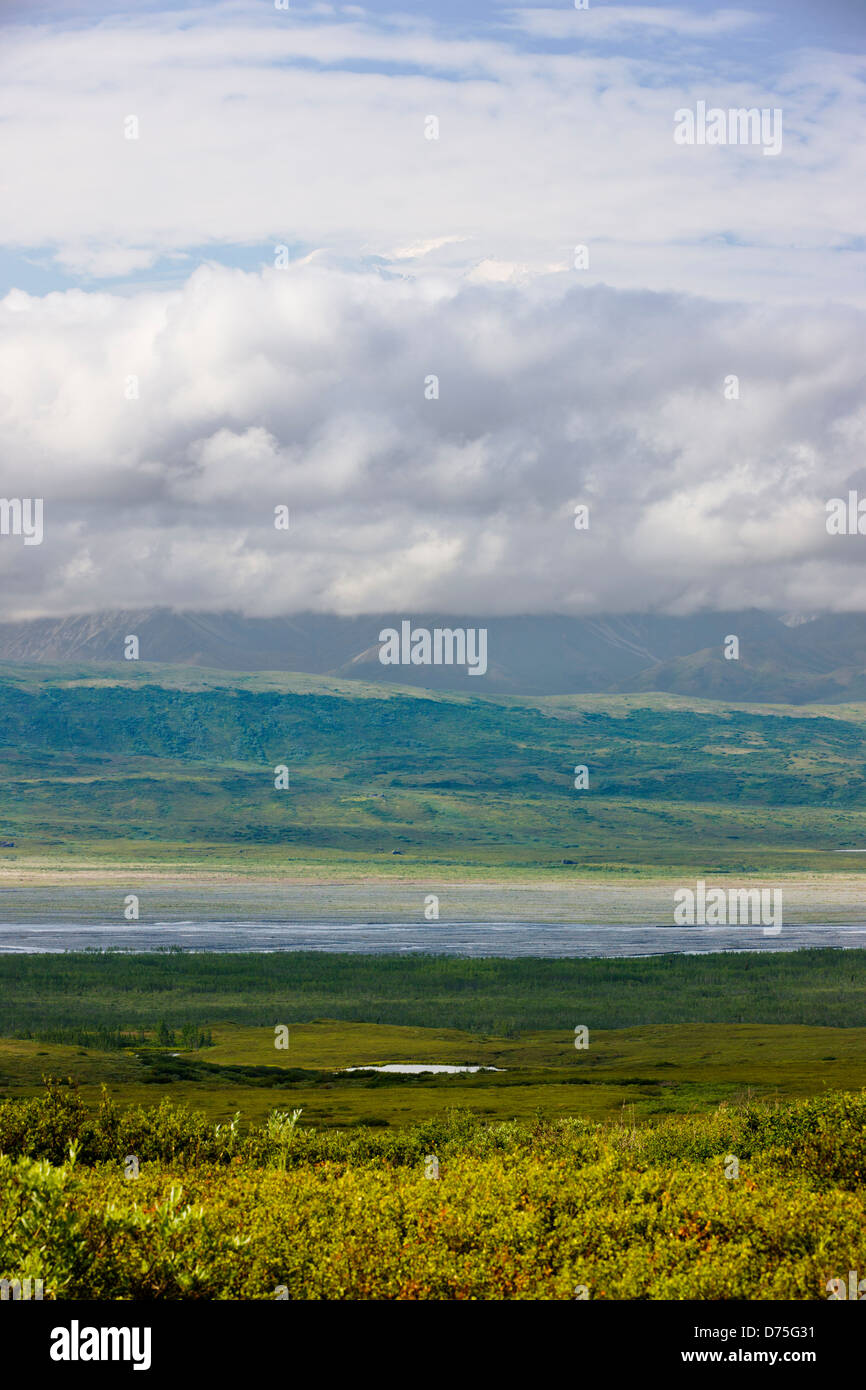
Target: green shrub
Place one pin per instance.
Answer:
(44, 1126)
(518, 1211)
(824, 1138)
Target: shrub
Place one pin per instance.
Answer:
(517, 1211)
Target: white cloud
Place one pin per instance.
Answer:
(413, 257)
(423, 248)
(609, 21)
(259, 127)
(306, 387)
(102, 262)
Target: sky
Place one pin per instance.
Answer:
(431, 277)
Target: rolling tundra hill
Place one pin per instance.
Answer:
(132, 755)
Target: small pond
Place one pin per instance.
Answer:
(409, 1067)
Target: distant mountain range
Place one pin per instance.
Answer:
(782, 659)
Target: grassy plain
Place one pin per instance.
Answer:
(651, 1072)
(669, 1034)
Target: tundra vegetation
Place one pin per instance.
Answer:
(257, 1170)
(668, 1034)
(177, 766)
(540, 1209)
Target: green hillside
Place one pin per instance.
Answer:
(184, 760)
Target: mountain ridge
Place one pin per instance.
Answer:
(820, 660)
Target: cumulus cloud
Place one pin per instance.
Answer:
(335, 259)
(306, 387)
